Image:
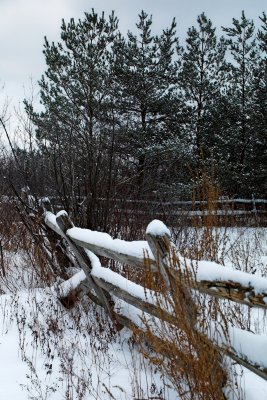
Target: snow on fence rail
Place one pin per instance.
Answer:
(126, 302)
(210, 278)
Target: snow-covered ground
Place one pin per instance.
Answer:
(50, 353)
(47, 352)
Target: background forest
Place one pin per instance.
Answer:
(142, 116)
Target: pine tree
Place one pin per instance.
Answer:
(201, 81)
(241, 103)
(127, 116)
(76, 128)
(145, 75)
(259, 159)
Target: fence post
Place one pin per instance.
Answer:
(184, 308)
(158, 237)
(64, 222)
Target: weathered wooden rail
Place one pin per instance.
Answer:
(111, 290)
(241, 287)
(228, 211)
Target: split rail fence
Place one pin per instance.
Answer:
(127, 302)
(227, 211)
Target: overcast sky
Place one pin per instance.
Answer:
(24, 23)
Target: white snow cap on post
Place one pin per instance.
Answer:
(60, 213)
(157, 228)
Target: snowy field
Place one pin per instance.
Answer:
(50, 353)
(46, 353)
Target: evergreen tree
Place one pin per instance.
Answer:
(145, 75)
(127, 116)
(259, 156)
(241, 104)
(262, 35)
(201, 80)
(76, 128)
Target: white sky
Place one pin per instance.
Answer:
(24, 23)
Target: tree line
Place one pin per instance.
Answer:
(141, 116)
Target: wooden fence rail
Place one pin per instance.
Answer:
(228, 283)
(227, 211)
(111, 290)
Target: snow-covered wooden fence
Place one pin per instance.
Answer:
(126, 302)
(226, 210)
